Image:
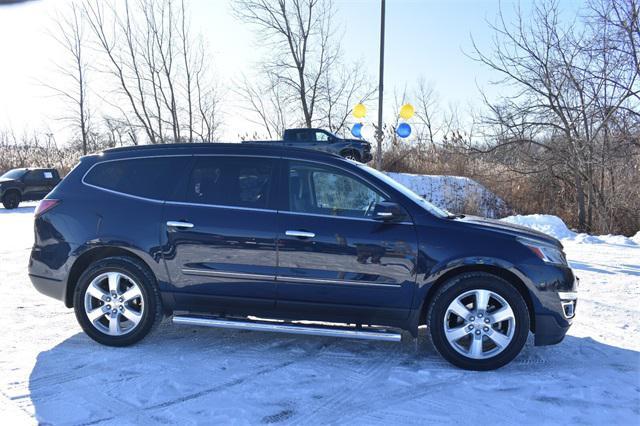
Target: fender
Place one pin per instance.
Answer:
(116, 246)
(442, 270)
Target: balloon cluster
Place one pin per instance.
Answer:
(359, 111)
(406, 112)
(403, 130)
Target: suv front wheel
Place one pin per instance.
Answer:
(117, 302)
(478, 321)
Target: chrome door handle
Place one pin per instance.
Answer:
(300, 234)
(179, 224)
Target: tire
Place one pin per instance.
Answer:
(11, 200)
(351, 155)
(458, 344)
(111, 325)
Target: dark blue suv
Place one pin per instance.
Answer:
(282, 239)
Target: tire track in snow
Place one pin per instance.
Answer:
(230, 383)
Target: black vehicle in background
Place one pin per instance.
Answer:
(19, 185)
(321, 140)
(272, 238)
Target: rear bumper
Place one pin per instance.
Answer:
(49, 286)
(49, 267)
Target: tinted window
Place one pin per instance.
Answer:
(231, 181)
(304, 136)
(144, 177)
(326, 190)
(34, 176)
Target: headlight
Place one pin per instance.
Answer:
(547, 253)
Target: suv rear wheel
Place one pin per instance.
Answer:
(11, 200)
(117, 301)
(478, 321)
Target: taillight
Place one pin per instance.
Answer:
(45, 205)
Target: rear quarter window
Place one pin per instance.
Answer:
(143, 177)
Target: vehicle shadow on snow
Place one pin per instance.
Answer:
(183, 374)
(612, 269)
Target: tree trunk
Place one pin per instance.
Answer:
(581, 204)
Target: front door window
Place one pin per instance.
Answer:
(324, 190)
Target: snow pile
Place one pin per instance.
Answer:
(554, 226)
(456, 194)
(549, 224)
(587, 239)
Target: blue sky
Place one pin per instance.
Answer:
(424, 39)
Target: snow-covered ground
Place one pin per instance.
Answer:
(51, 373)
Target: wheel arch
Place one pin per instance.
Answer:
(12, 189)
(90, 256)
(503, 273)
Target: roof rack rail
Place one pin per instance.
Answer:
(203, 145)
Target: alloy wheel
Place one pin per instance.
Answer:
(113, 303)
(479, 324)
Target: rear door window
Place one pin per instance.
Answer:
(34, 177)
(304, 136)
(151, 177)
(232, 181)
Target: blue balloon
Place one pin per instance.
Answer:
(356, 130)
(403, 130)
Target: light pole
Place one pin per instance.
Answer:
(379, 132)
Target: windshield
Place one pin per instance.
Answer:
(13, 174)
(436, 211)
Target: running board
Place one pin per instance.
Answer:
(281, 327)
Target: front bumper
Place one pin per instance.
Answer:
(366, 157)
(549, 331)
(552, 325)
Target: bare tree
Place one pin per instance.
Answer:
(299, 34)
(266, 104)
(562, 76)
(343, 87)
(304, 77)
(158, 66)
(70, 35)
(208, 100)
(427, 109)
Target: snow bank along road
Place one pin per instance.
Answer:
(50, 372)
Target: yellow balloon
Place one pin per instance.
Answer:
(407, 111)
(359, 111)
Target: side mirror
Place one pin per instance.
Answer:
(388, 212)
